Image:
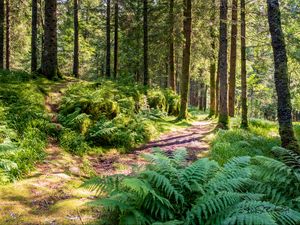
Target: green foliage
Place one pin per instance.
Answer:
(245, 190)
(23, 125)
(73, 142)
(115, 114)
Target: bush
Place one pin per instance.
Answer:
(245, 190)
(73, 142)
(115, 114)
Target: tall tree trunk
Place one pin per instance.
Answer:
(2, 17)
(212, 69)
(49, 59)
(34, 33)
(185, 76)
(223, 115)
(232, 74)
(218, 89)
(76, 40)
(172, 81)
(281, 78)
(244, 123)
(108, 39)
(116, 42)
(7, 58)
(145, 28)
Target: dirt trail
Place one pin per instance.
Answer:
(192, 138)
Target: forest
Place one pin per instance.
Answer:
(150, 112)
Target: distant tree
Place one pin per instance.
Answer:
(284, 105)
(108, 38)
(185, 76)
(223, 106)
(76, 40)
(2, 17)
(232, 74)
(145, 41)
(34, 33)
(172, 79)
(7, 47)
(116, 42)
(244, 123)
(49, 57)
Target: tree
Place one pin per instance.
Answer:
(108, 38)
(34, 33)
(212, 69)
(172, 79)
(284, 106)
(244, 123)
(7, 47)
(1, 34)
(145, 29)
(223, 111)
(49, 58)
(116, 42)
(232, 74)
(76, 40)
(185, 76)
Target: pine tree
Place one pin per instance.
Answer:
(185, 76)
(7, 42)
(76, 40)
(116, 42)
(108, 38)
(172, 80)
(145, 29)
(34, 27)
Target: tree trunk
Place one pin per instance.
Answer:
(108, 39)
(7, 58)
(172, 80)
(223, 115)
(76, 41)
(244, 123)
(34, 33)
(185, 76)
(2, 34)
(145, 28)
(232, 74)
(281, 78)
(49, 59)
(212, 69)
(116, 42)
(218, 88)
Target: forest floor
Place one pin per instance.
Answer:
(52, 195)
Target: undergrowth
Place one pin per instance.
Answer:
(250, 191)
(23, 124)
(112, 114)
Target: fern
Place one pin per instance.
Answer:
(246, 190)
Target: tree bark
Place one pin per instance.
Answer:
(172, 80)
(244, 123)
(232, 74)
(185, 76)
(76, 40)
(34, 33)
(145, 28)
(284, 106)
(2, 17)
(49, 59)
(116, 42)
(7, 48)
(223, 114)
(108, 39)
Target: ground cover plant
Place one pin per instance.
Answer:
(24, 124)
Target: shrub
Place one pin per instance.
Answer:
(157, 99)
(245, 190)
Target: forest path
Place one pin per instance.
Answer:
(51, 193)
(193, 138)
